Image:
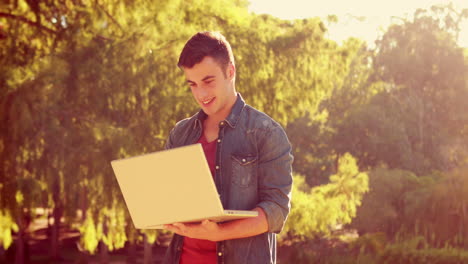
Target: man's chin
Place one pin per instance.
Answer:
(209, 110)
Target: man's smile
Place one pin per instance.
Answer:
(207, 101)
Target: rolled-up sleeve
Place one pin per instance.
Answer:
(275, 177)
(169, 140)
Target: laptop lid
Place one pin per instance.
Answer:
(168, 186)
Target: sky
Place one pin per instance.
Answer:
(366, 19)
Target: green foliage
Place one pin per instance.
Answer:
(401, 205)
(448, 193)
(7, 224)
(400, 105)
(320, 210)
(85, 82)
(316, 136)
(301, 256)
(370, 243)
(426, 75)
(109, 228)
(89, 239)
(151, 235)
(310, 65)
(415, 251)
(113, 227)
(382, 208)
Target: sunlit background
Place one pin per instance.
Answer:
(372, 98)
(365, 19)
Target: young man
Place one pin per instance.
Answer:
(249, 156)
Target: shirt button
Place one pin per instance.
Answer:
(222, 123)
(219, 140)
(217, 167)
(243, 160)
(220, 254)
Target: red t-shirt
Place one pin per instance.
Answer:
(201, 251)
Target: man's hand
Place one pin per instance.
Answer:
(207, 230)
(234, 229)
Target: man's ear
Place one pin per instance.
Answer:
(231, 71)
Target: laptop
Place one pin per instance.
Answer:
(171, 186)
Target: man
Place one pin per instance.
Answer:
(249, 156)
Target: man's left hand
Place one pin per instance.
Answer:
(207, 230)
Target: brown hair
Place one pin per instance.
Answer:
(204, 44)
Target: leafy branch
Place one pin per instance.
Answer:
(29, 22)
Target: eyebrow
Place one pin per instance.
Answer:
(204, 79)
(208, 77)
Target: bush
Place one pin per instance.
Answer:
(401, 204)
(373, 243)
(417, 251)
(427, 256)
(319, 210)
(382, 207)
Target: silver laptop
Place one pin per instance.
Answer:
(171, 186)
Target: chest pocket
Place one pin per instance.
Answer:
(244, 170)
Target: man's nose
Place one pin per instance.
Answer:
(203, 92)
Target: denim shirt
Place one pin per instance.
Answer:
(253, 169)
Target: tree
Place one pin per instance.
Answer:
(319, 210)
(426, 73)
(315, 136)
(416, 120)
(383, 207)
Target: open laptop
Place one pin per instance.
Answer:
(171, 186)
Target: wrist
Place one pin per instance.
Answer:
(219, 235)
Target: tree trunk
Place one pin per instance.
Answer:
(104, 253)
(22, 247)
(103, 247)
(148, 252)
(55, 232)
(20, 250)
(2, 255)
(131, 255)
(421, 127)
(463, 220)
(57, 215)
(84, 256)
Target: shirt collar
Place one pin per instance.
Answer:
(233, 118)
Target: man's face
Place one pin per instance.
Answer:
(212, 88)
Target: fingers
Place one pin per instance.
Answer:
(168, 227)
(177, 228)
(202, 229)
(181, 227)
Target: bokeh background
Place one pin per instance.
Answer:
(379, 128)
